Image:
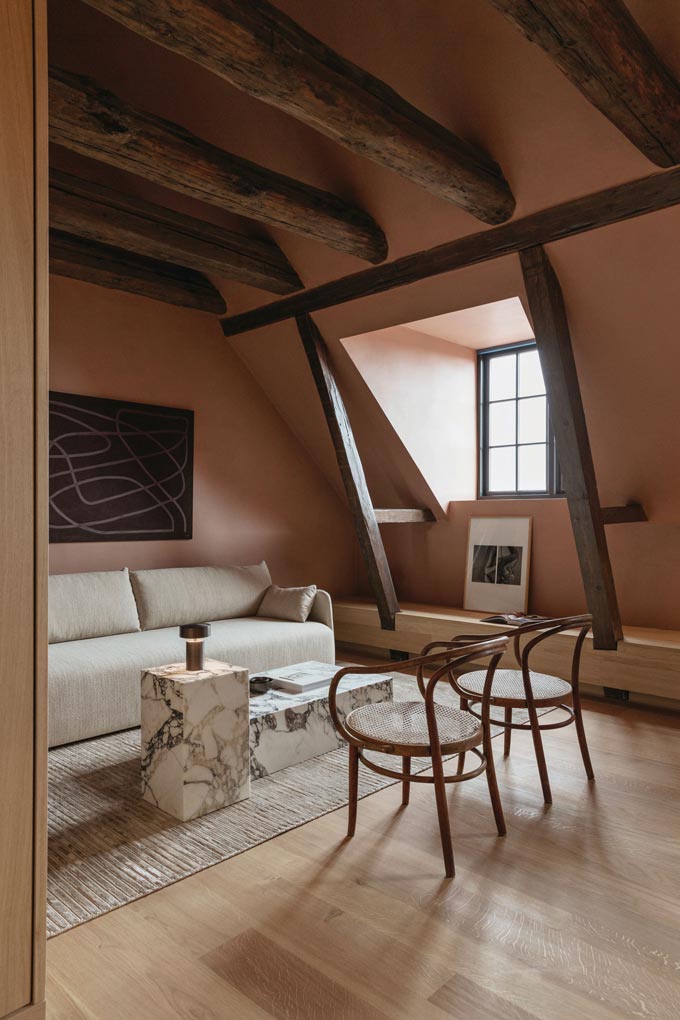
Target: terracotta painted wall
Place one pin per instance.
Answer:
(427, 389)
(257, 495)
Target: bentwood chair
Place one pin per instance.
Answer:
(527, 689)
(423, 728)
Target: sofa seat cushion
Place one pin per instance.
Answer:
(174, 595)
(91, 605)
(94, 685)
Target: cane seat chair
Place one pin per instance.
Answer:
(528, 689)
(423, 729)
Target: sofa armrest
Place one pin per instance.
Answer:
(322, 608)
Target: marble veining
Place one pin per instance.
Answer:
(286, 729)
(195, 730)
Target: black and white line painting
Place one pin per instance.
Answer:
(119, 471)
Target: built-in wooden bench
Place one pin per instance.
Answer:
(647, 662)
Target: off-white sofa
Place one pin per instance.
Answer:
(105, 627)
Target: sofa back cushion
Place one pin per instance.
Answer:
(91, 605)
(176, 595)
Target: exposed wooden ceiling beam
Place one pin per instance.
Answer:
(605, 54)
(121, 270)
(612, 205)
(553, 341)
(632, 513)
(351, 472)
(102, 214)
(92, 121)
(420, 516)
(262, 51)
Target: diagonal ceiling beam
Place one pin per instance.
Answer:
(612, 205)
(121, 270)
(605, 54)
(553, 341)
(92, 121)
(102, 214)
(351, 472)
(262, 51)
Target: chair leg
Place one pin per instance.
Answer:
(406, 786)
(353, 789)
(507, 736)
(463, 704)
(443, 815)
(461, 763)
(580, 730)
(494, 792)
(540, 756)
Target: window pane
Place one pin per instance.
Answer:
(502, 423)
(532, 463)
(502, 469)
(532, 420)
(502, 377)
(530, 374)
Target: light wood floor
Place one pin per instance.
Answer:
(575, 914)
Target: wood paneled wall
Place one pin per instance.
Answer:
(23, 363)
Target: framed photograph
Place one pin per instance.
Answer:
(497, 570)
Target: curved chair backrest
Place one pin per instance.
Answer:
(443, 663)
(544, 629)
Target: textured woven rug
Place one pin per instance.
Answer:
(108, 847)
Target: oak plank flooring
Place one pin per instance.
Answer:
(575, 913)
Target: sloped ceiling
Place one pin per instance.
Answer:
(466, 66)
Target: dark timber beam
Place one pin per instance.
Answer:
(632, 513)
(612, 205)
(257, 48)
(419, 516)
(351, 471)
(101, 214)
(122, 270)
(92, 121)
(603, 52)
(573, 447)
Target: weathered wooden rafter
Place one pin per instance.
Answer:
(421, 515)
(604, 53)
(351, 472)
(632, 513)
(102, 214)
(611, 205)
(262, 51)
(112, 267)
(573, 447)
(92, 121)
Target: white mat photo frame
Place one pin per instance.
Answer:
(498, 562)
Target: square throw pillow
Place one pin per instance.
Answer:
(293, 604)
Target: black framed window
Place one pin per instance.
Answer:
(517, 443)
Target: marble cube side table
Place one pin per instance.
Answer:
(195, 726)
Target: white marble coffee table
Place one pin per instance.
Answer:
(195, 756)
(286, 729)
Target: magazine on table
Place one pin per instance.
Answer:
(298, 679)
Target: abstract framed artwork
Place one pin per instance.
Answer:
(119, 471)
(498, 560)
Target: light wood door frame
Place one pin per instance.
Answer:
(23, 506)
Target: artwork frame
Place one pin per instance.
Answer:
(119, 470)
(498, 563)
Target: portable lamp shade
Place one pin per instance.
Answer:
(194, 634)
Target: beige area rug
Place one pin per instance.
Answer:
(107, 847)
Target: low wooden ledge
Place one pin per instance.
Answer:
(646, 662)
